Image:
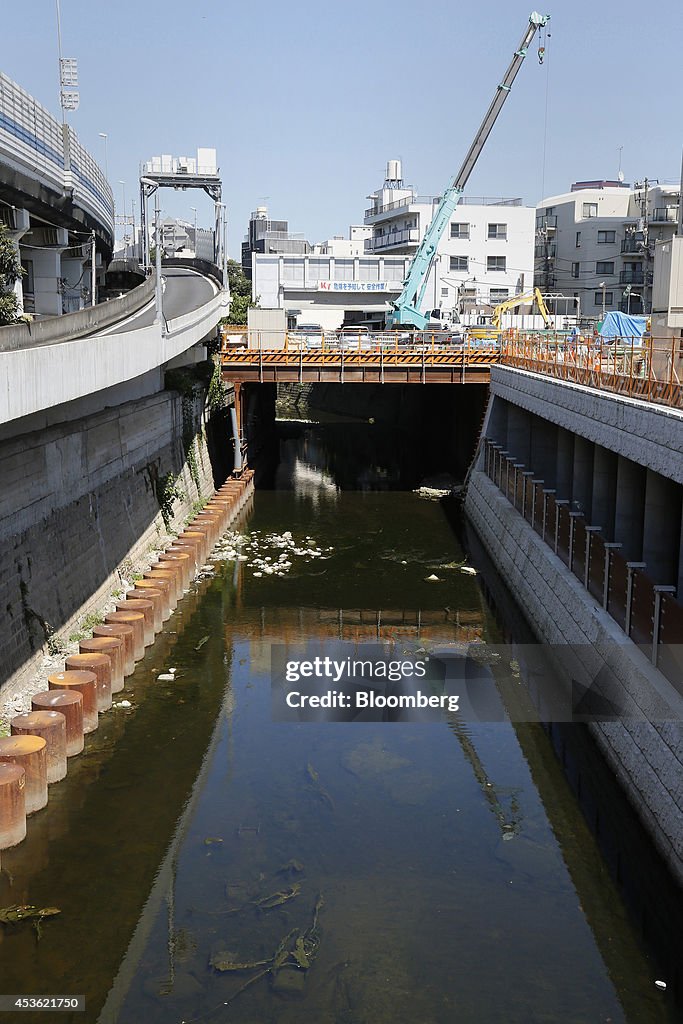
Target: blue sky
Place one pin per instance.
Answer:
(305, 102)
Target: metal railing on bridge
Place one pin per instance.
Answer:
(647, 368)
(264, 353)
(648, 613)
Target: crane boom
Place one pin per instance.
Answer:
(407, 305)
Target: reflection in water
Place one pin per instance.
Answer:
(453, 876)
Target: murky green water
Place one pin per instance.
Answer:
(192, 806)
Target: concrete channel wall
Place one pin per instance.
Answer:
(644, 751)
(80, 500)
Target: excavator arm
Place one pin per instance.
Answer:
(519, 300)
(407, 306)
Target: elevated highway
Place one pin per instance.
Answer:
(52, 362)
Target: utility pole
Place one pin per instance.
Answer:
(159, 318)
(92, 269)
(646, 247)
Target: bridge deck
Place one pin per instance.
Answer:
(380, 365)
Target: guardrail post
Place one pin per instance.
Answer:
(573, 516)
(534, 485)
(631, 567)
(342, 363)
(586, 573)
(605, 588)
(559, 502)
(546, 492)
(381, 364)
(659, 591)
(424, 379)
(526, 475)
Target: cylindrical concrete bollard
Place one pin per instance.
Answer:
(113, 647)
(124, 633)
(200, 537)
(86, 684)
(137, 621)
(100, 664)
(12, 805)
(210, 524)
(149, 593)
(171, 577)
(163, 587)
(190, 548)
(181, 559)
(30, 753)
(146, 609)
(51, 726)
(68, 703)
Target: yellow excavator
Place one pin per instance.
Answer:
(519, 300)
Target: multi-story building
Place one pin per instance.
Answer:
(354, 245)
(485, 255)
(269, 236)
(596, 243)
(328, 290)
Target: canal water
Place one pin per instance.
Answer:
(359, 872)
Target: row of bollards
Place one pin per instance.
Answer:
(42, 740)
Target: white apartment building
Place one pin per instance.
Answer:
(596, 243)
(354, 245)
(485, 256)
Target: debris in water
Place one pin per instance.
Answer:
(123, 704)
(469, 570)
(276, 899)
(225, 961)
(211, 840)
(166, 677)
(204, 640)
(660, 984)
(15, 914)
(432, 579)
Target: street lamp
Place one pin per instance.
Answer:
(603, 285)
(103, 135)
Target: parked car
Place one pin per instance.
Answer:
(307, 335)
(350, 338)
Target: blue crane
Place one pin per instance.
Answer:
(406, 308)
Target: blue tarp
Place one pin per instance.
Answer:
(623, 325)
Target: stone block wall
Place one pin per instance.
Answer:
(81, 498)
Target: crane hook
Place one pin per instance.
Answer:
(541, 54)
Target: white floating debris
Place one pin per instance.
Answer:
(166, 677)
(468, 570)
(432, 579)
(258, 574)
(123, 704)
(173, 670)
(660, 984)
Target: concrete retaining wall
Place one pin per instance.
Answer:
(77, 500)
(646, 758)
(651, 435)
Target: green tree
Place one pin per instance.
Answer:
(240, 295)
(10, 271)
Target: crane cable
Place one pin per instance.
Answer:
(541, 58)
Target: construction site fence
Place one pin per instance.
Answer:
(647, 367)
(334, 341)
(644, 609)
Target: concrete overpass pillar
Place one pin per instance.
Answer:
(21, 226)
(661, 528)
(604, 490)
(518, 439)
(543, 459)
(565, 462)
(582, 482)
(629, 508)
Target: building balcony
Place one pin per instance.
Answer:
(635, 277)
(400, 204)
(546, 222)
(632, 245)
(381, 243)
(665, 214)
